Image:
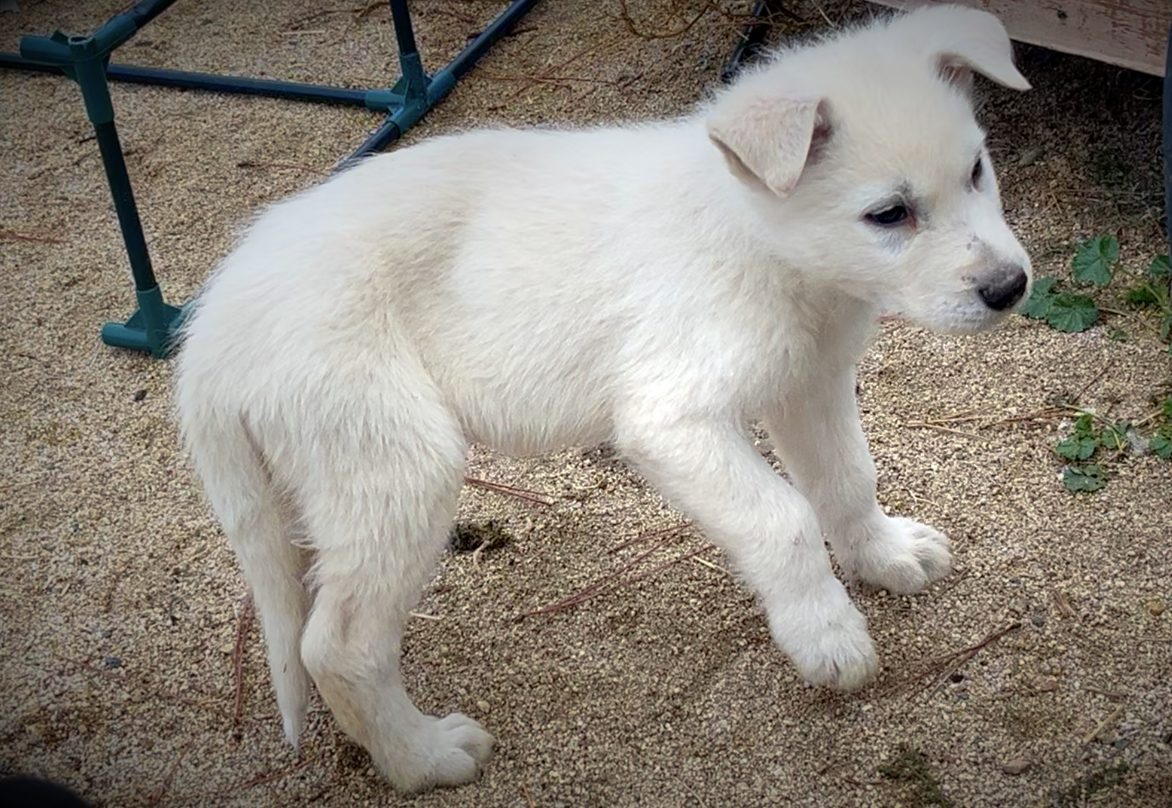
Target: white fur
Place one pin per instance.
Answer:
(534, 289)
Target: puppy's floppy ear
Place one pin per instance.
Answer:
(770, 140)
(962, 40)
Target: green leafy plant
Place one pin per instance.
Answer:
(1092, 437)
(1062, 304)
(1095, 260)
(1161, 442)
(1081, 445)
(1087, 478)
(1153, 292)
(910, 766)
(1094, 263)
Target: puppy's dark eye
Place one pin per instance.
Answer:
(889, 217)
(978, 172)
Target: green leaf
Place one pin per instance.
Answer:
(1142, 296)
(1084, 426)
(1115, 436)
(1159, 268)
(1095, 260)
(1166, 327)
(1076, 448)
(1161, 446)
(1040, 298)
(1083, 478)
(1167, 408)
(1070, 313)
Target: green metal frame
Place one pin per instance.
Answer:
(86, 60)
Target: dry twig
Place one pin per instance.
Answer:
(942, 667)
(238, 788)
(629, 23)
(550, 71)
(1062, 603)
(13, 236)
(294, 166)
(142, 683)
(607, 582)
(643, 538)
(518, 493)
(944, 429)
(243, 627)
(163, 786)
(1106, 722)
(360, 11)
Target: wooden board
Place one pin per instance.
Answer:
(1128, 33)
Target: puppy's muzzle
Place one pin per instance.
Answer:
(1003, 287)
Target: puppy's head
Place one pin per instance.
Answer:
(863, 158)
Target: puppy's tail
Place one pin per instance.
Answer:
(260, 524)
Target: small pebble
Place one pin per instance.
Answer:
(1016, 766)
(1038, 620)
(1048, 685)
(139, 395)
(112, 662)
(1156, 608)
(482, 705)
(1029, 157)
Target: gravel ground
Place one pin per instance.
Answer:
(131, 668)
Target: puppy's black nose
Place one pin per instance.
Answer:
(1002, 288)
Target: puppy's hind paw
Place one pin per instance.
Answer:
(904, 556)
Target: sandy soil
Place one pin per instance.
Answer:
(130, 667)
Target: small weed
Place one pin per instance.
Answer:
(1096, 264)
(910, 766)
(1089, 440)
(1083, 789)
(467, 538)
(1109, 169)
(1153, 293)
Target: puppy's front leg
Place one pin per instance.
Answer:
(769, 530)
(818, 435)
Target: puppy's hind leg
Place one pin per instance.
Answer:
(378, 511)
(258, 525)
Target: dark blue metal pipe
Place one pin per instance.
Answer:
(204, 81)
(1167, 136)
(441, 83)
(85, 59)
(468, 57)
(236, 84)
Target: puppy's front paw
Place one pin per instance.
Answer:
(447, 751)
(903, 556)
(827, 641)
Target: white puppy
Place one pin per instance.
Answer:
(656, 286)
